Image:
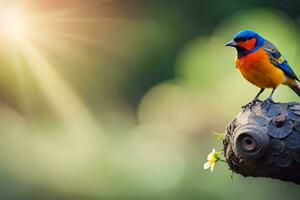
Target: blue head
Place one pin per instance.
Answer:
(246, 42)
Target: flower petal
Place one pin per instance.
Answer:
(212, 167)
(206, 165)
(209, 156)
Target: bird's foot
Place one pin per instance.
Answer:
(267, 102)
(250, 104)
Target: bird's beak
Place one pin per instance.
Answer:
(231, 43)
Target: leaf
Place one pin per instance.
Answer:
(232, 173)
(219, 136)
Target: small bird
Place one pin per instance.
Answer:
(261, 63)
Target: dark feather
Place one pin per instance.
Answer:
(278, 60)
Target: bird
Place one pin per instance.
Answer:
(261, 63)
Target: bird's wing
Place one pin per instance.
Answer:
(278, 60)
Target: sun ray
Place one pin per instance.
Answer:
(21, 80)
(48, 41)
(55, 31)
(73, 36)
(69, 107)
(57, 39)
(68, 35)
(68, 14)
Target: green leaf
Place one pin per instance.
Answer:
(219, 136)
(232, 173)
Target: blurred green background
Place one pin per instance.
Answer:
(117, 99)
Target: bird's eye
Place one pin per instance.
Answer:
(241, 39)
(247, 43)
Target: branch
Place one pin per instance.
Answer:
(264, 141)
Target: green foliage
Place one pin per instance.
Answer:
(219, 136)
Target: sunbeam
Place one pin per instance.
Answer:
(62, 36)
(20, 79)
(66, 103)
(20, 31)
(13, 23)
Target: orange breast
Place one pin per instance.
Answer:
(258, 70)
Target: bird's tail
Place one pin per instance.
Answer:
(294, 86)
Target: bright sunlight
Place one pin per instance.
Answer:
(12, 23)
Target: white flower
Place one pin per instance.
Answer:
(212, 158)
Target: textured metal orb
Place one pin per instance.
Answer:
(264, 140)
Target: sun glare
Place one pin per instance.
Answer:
(12, 23)
(20, 31)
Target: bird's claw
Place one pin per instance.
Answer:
(250, 104)
(267, 102)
